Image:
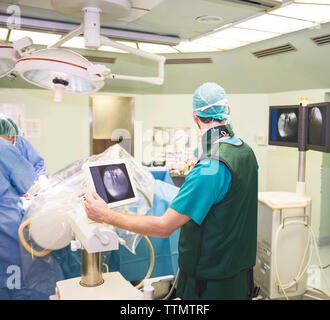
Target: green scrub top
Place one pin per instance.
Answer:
(208, 174)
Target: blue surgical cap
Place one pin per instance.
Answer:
(210, 101)
(8, 126)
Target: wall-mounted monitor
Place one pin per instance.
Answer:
(318, 135)
(283, 125)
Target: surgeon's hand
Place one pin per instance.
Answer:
(96, 208)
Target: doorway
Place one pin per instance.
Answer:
(111, 122)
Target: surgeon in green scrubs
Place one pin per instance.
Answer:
(216, 209)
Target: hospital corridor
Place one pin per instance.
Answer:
(165, 151)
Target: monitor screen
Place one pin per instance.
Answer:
(318, 127)
(283, 125)
(112, 182)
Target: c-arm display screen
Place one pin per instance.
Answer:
(112, 182)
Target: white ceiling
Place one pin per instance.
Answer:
(167, 17)
(238, 70)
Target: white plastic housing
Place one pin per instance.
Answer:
(94, 237)
(283, 222)
(92, 27)
(51, 231)
(58, 95)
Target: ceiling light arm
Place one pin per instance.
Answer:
(74, 33)
(159, 59)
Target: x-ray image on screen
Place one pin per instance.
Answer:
(287, 126)
(316, 126)
(284, 126)
(112, 182)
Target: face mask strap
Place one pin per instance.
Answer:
(223, 102)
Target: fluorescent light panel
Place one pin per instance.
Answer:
(313, 1)
(40, 38)
(3, 33)
(186, 46)
(245, 35)
(156, 48)
(220, 43)
(274, 23)
(79, 43)
(128, 43)
(110, 49)
(75, 42)
(311, 12)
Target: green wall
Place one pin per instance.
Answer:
(64, 126)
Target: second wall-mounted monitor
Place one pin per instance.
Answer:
(283, 125)
(318, 135)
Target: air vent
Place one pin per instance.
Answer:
(321, 40)
(100, 59)
(275, 50)
(188, 61)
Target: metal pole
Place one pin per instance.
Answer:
(302, 166)
(91, 269)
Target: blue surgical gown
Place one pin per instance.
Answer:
(16, 177)
(27, 150)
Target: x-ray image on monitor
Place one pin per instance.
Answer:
(287, 126)
(283, 126)
(113, 183)
(318, 137)
(315, 127)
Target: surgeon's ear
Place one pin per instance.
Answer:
(195, 117)
(229, 109)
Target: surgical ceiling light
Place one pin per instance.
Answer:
(63, 70)
(7, 59)
(60, 70)
(10, 52)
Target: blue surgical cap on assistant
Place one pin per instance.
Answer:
(8, 126)
(210, 101)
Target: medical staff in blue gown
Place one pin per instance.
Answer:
(30, 153)
(16, 177)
